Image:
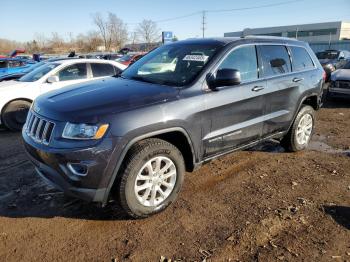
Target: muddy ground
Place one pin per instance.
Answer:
(257, 205)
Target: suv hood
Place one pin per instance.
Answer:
(341, 74)
(86, 102)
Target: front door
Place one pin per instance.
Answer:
(235, 112)
(69, 75)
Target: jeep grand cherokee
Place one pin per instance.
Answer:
(132, 137)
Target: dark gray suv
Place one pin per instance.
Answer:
(133, 136)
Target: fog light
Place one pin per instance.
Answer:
(78, 169)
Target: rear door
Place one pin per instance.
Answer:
(103, 70)
(284, 87)
(69, 75)
(281, 89)
(235, 112)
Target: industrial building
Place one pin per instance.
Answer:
(319, 32)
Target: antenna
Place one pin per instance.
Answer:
(203, 22)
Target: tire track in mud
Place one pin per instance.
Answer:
(13, 165)
(229, 168)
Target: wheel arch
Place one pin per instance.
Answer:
(10, 101)
(311, 99)
(170, 135)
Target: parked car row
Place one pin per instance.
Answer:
(17, 95)
(14, 65)
(336, 64)
(332, 60)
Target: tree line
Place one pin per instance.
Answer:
(110, 34)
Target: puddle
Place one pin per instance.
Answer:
(270, 146)
(323, 147)
(316, 144)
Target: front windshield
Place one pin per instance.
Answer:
(327, 55)
(39, 72)
(31, 68)
(173, 65)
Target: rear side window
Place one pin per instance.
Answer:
(275, 60)
(242, 59)
(301, 59)
(99, 70)
(3, 64)
(73, 72)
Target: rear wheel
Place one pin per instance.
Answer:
(151, 177)
(15, 114)
(301, 131)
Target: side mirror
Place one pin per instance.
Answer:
(53, 79)
(225, 77)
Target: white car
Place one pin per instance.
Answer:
(16, 96)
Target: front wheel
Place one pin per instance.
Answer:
(301, 131)
(15, 114)
(151, 177)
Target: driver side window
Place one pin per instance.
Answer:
(242, 59)
(73, 72)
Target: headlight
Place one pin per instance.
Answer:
(84, 131)
(331, 67)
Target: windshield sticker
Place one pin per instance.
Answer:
(198, 58)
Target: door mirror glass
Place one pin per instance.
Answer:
(52, 79)
(225, 77)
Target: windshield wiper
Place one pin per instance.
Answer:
(118, 75)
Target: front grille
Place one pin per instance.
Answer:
(343, 84)
(39, 128)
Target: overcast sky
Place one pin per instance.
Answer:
(21, 19)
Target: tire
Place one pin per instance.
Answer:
(298, 139)
(15, 114)
(143, 202)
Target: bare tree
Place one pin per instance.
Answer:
(112, 30)
(133, 39)
(56, 40)
(41, 40)
(103, 29)
(148, 32)
(6, 46)
(118, 31)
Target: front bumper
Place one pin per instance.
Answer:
(53, 165)
(339, 91)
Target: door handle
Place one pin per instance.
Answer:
(257, 88)
(296, 79)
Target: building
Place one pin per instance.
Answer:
(319, 32)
